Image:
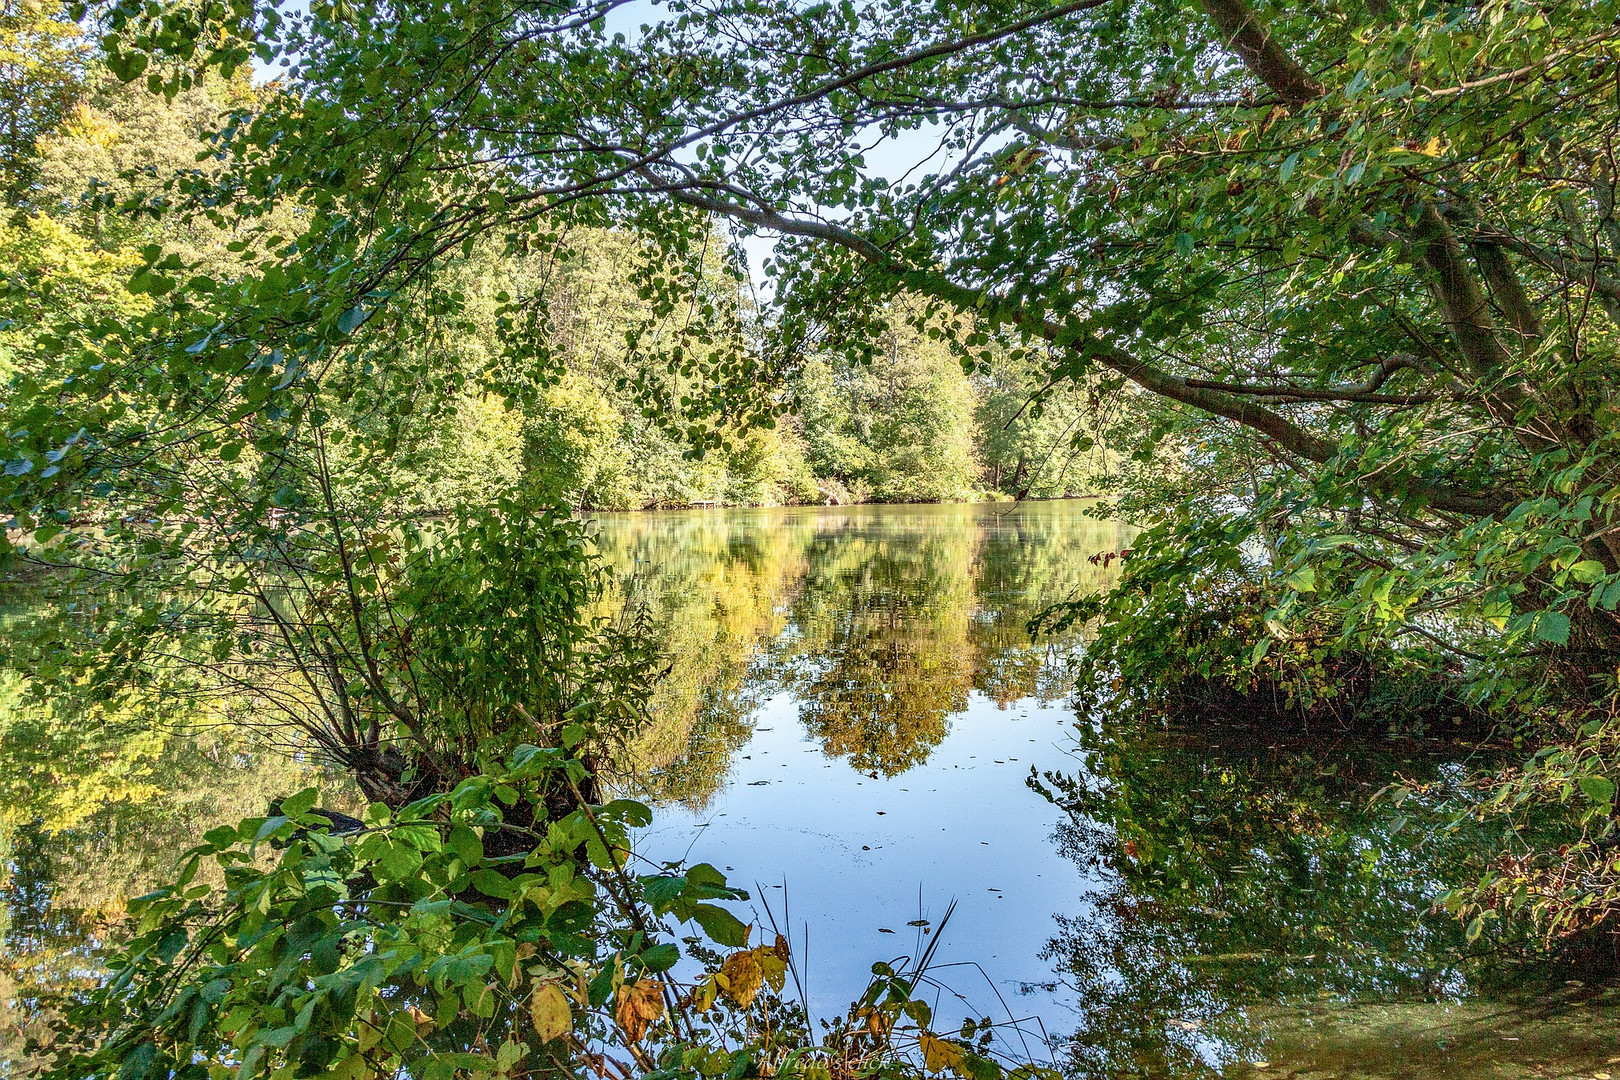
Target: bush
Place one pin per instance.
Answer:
(406, 948)
(1191, 632)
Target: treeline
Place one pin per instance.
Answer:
(900, 421)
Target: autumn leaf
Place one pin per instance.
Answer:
(743, 976)
(772, 967)
(640, 1003)
(877, 1021)
(939, 1054)
(548, 1008)
(704, 993)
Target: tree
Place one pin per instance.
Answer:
(1373, 241)
(1035, 445)
(1366, 251)
(123, 153)
(43, 57)
(897, 424)
(56, 282)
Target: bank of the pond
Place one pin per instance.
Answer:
(849, 729)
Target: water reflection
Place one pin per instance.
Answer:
(94, 810)
(851, 711)
(1257, 906)
(879, 621)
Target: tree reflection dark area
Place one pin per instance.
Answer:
(1247, 870)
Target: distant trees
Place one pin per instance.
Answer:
(44, 57)
(897, 424)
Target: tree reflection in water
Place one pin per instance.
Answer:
(1247, 899)
(1253, 892)
(879, 620)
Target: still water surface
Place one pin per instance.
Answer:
(850, 727)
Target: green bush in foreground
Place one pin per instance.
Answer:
(402, 949)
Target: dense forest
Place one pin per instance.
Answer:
(323, 325)
(902, 423)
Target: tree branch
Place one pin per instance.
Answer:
(1244, 33)
(1290, 436)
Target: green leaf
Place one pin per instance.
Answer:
(1587, 571)
(1552, 627)
(721, 926)
(634, 814)
(300, 803)
(662, 891)
(661, 957)
(270, 825)
(466, 844)
(1600, 789)
(705, 874)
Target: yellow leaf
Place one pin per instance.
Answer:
(938, 1054)
(772, 967)
(705, 992)
(743, 977)
(640, 1003)
(548, 1008)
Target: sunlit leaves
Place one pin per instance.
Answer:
(444, 970)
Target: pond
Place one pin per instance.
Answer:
(857, 726)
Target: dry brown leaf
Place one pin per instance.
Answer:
(639, 1004)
